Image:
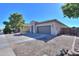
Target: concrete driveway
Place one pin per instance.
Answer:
(38, 36)
(50, 48)
(6, 42)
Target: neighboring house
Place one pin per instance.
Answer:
(26, 28)
(52, 27)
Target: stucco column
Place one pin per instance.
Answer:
(34, 28)
(51, 29)
(55, 30)
(30, 28)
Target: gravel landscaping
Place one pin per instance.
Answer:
(31, 48)
(39, 48)
(59, 43)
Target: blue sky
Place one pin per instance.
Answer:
(36, 12)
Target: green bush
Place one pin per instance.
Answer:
(7, 31)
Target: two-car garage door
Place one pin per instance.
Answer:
(44, 29)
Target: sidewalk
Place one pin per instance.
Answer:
(6, 42)
(5, 49)
(6, 52)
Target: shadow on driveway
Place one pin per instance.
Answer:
(43, 37)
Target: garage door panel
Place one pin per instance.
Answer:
(44, 29)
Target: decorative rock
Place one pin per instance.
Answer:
(40, 48)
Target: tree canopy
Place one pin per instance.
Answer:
(71, 10)
(16, 21)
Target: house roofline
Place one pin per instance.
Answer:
(51, 21)
(61, 23)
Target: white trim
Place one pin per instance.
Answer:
(53, 32)
(34, 28)
(43, 24)
(30, 28)
(52, 29)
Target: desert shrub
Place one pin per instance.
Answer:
(7, 31)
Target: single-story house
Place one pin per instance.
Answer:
(52, 27)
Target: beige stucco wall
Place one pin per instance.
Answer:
(55, 27)
(34, 27)
(58, 27)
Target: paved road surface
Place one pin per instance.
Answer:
(7, 40)
(5, 49)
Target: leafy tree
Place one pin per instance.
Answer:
(0, 30)
(16, 22)
(5, 22)
(7, 28)
(71, 10)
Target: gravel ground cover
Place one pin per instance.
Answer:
(59, 43)
(40, 48)
(31, 48)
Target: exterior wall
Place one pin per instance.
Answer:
(33, 27)
(30, 29)
(25, 29)
(55, 27)
(54, 31)
(58, 27)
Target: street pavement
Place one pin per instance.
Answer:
(6, 42)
